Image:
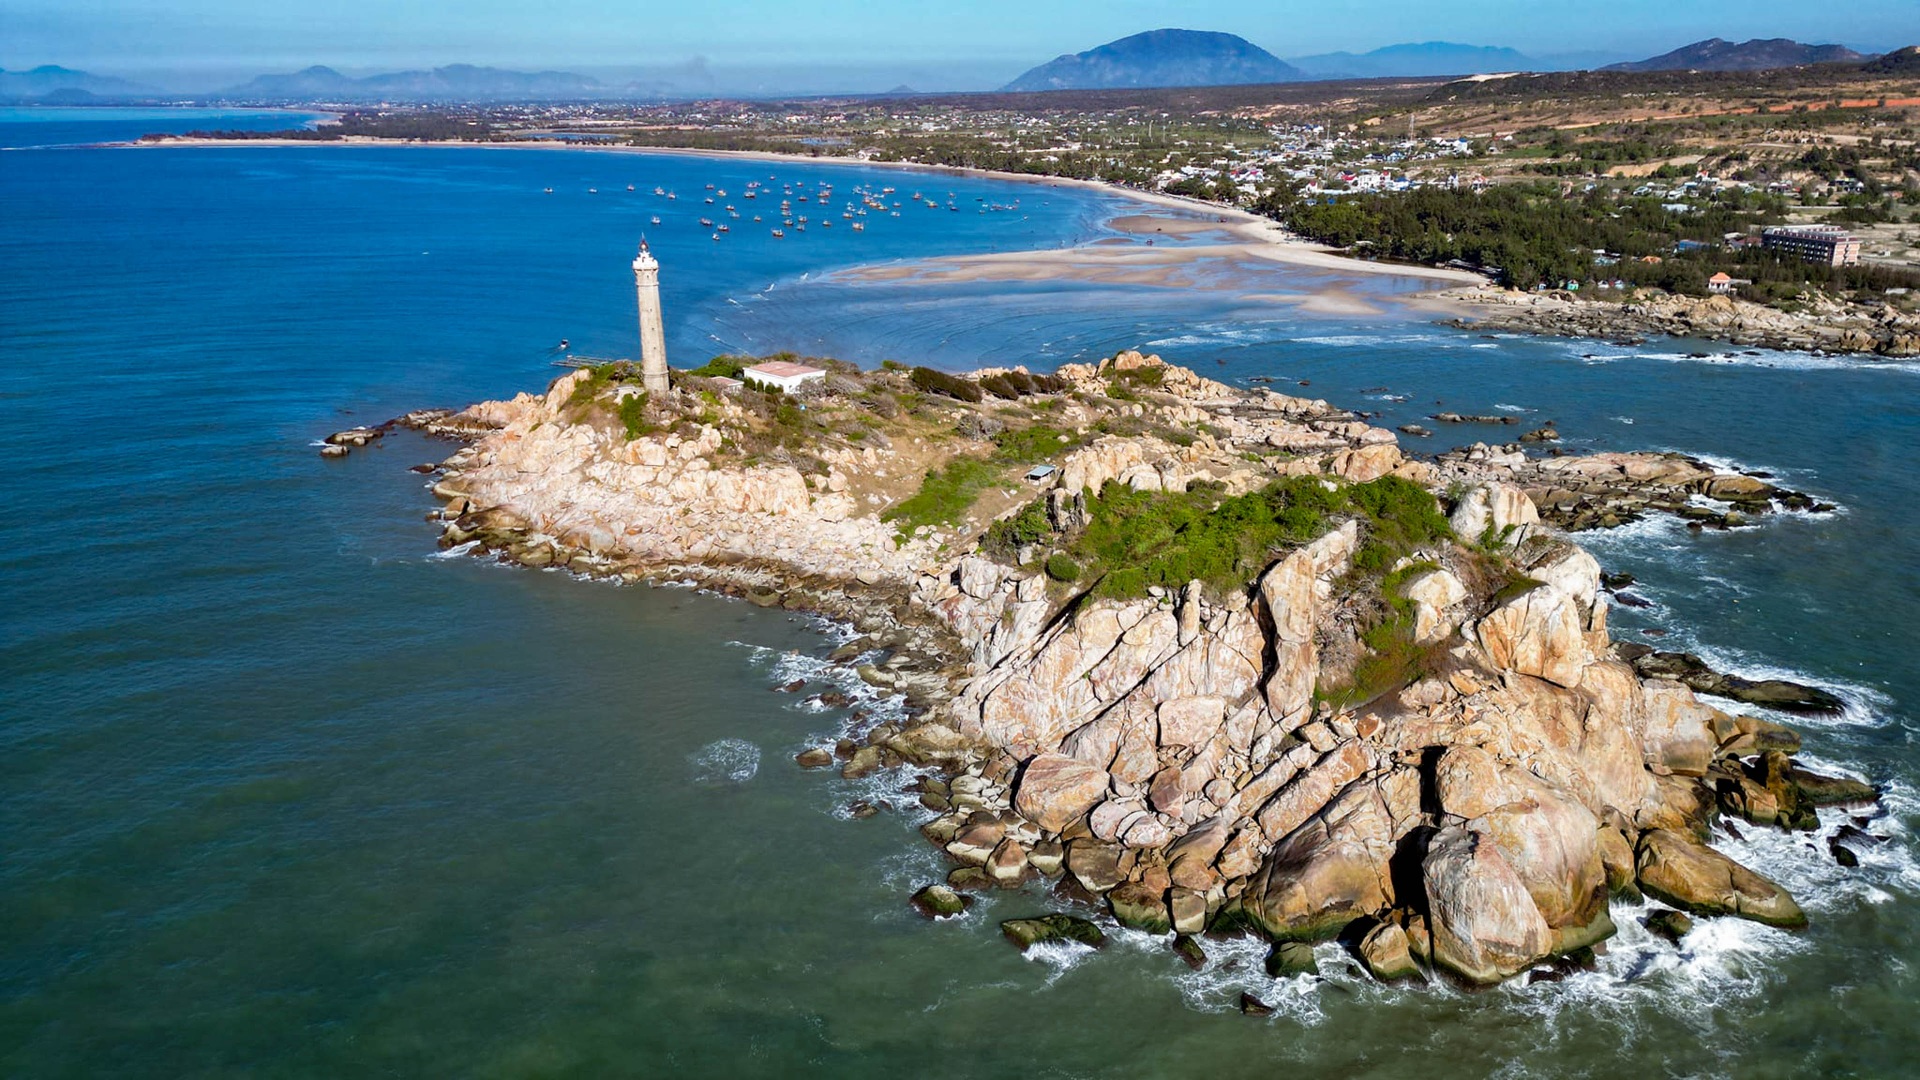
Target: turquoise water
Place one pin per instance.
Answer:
(284, 793)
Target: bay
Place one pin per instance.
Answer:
(284, 792)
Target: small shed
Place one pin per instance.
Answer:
(782, 375)
(1041, 472)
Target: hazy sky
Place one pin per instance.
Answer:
(998, 38)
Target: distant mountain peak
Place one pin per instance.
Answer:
(1167, 57)
(1760, 54)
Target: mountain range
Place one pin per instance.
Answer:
(1760, 54)
(1161, 58)
(52, 81)
(1426, 58)
(456, 82)
(1158, 58)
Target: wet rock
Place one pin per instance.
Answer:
(1095, 865)
(333, 451)
(1026, 933)
(1289, 958)
(1135, 905)
(1669, 924)
(1769, 693)
(1545, 434)
(1048, 857)
(940, 902)
(864, 762)
(793, 687)
(1832, 790)
(862, 810)
(1677, 870)
(1188, 949)
(972, 879)
(1188, 909)
(814, 758)
(1008, 862)
(1386, 953)
(1253, 1006)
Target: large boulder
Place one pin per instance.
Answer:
(1485, 925)
(1500, 513)
(1549, 841)
(1541, 632)
(1328, 872)
(1693, 877)
(1287, 590)
(1055, 791)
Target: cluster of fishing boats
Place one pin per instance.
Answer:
(818, 197)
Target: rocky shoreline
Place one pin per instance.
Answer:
(1421, 741)
(1826, 326)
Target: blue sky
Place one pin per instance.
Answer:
(989, 40)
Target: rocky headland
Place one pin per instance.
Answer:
(1823, 324)
(1236, 665)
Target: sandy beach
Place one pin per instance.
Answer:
(1245, 238)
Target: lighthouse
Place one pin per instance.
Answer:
(653, 333)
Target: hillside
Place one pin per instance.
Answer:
(1718, 54)
(1161, 58)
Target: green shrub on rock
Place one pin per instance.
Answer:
(939, 382)
(1061, 567)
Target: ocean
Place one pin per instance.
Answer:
(284, 791)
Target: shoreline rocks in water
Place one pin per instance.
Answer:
(1606, 490)
(1391, 718)
(1826, 326)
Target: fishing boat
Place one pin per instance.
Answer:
(593, 191)
(671, 195)
(726, 228)
(629, 187)
(549, 191)
(756, 218)
(716, 236)
(656, 219)
(706, 223)
(659, 190)
(859, 226)
(778, 233)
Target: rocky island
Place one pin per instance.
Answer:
(1212, 660)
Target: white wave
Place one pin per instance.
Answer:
(731, 761)
(1513, 408)
(1060, 956)
(1623, 419)
(1485, 345)
(456, 551)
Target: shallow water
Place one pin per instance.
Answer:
(283, 791)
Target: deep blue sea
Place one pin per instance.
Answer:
(284, 792)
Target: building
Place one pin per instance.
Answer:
(1827, 244)
(1723, 284)
(653, 327)
(782, 375)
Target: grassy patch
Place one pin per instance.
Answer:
(1061, 567)
(1393, 658)
(1141, 539)
(945, 495)
(633, 415)
(1032, 445)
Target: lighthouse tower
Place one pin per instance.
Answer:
(653, 333)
